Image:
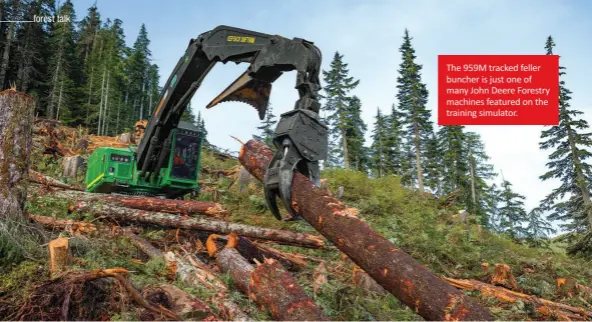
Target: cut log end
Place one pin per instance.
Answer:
(59, 255)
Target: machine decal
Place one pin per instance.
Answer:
(173, 81)
(250, 40)
(160, 104)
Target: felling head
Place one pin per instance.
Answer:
(247, 90)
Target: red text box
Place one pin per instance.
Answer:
(498, 89)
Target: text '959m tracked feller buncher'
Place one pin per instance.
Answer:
(167, 160)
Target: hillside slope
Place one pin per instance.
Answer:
(427, 228)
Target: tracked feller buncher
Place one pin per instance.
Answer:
(166, 162)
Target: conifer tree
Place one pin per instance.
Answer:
(62, 65)
(455, 176)
(537, 228)
(267, 127)
(569, 144)
(397, 161)
(379, 148)
(480, 171)
(492, 201)
(511, 212)
(338, 85)
(412, 95)
(434, 167)
(355, 135)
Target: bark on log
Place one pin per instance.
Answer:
(184, 207)
(274, 288)
(204, 224)
(270, 286)
(549, 309)
(391, 267)
(59, 255)
(230, 261)
(16, 126)
(42, 179)
(252, 252)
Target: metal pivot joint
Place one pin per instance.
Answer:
(301, 141)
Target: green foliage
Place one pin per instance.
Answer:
(345, 124)
(412, 96)
(569, 143)
(267, 128)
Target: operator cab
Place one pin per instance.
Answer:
(186, 149)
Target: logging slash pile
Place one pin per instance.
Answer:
(367, 249)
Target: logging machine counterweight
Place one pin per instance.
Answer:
(166, 160)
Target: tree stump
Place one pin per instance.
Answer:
(71, 166)
(16, 130)
(59, 255)
(502, 276)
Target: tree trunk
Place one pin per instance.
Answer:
(16, 131)
(271, 287)
(60, 99)
(101, 102)
(106, 108)
(418, 158)
(7, 47)
(203, 224)
(391, 267)
(90, 88)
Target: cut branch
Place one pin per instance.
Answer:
(391, 267)
(44, 180)
(194, 274)
(204, 224)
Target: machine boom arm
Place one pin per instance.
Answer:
(299, 135)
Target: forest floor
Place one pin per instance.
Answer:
(429, 229)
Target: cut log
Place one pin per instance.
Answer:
(184, 207)
(72, 226)
(270, 286)
(16, 130)
(80, 227)
(230, 261)
(268, 281)
(42, 179)
(253, 252)
(549, 309)
(71, 165)
(391, 267)
(187, 307)
(194, 274)
(203, 224)
(502, 276)
(59, 255)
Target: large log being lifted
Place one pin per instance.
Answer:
(204, 224)
(391, 267)
(271, 287)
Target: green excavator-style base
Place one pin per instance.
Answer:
(114, 170)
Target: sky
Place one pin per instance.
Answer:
(368, 33)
